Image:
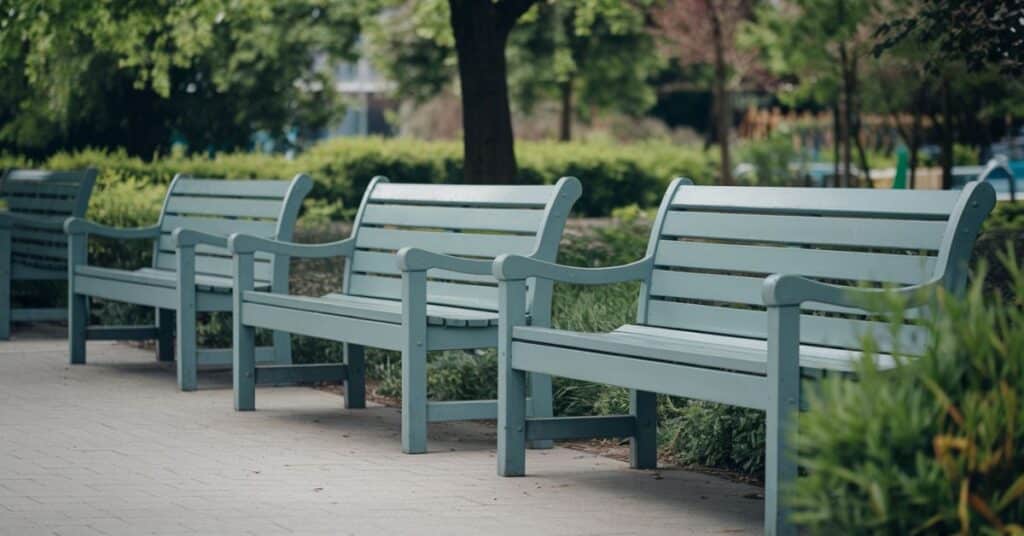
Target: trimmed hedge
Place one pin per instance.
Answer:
(613, 176)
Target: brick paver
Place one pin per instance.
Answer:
(114, 448)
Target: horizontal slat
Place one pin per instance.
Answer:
(324, 326)
(224, 206)
(49, 237)
(283, 374)
(39, 205)
(479, 219)
(450, 243)
(725, 288)
(47, 222)
(59, 272)
(381, 310)
(122, 333)
(462, 410)
(386, 263)
(223, 356)
(50, 253)
(455, 294)
(39, 314)
(213, 265)
(819, 330)
(220, 226)
(846, 201)
(52, 188)
(855, 232)
(44, 176)
(232, 188)
(561, 428)
(732, 388)
(823, 263)
(462, 194)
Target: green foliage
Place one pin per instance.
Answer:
(598, 48)
(342, 168)
(771, 158)
(128, 73)
(600, 54)
(933, 446)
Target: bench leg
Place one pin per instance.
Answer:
(243, 370)
(165, 334)
(541, 405)
(78, 320)
(780, 420)
(282, 348)
(414, 363)
(643, 446)
(355, 379)
(511, 382)
(186, 347)
(5, 285)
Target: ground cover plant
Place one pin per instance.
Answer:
(933, 447)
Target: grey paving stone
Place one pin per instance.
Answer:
(114, 448)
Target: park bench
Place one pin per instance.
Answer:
(191, 270)
(715, 324)
(438, 297)
(32, 242)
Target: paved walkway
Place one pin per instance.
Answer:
(114, 448)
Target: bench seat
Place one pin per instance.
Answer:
(162, 278)
(377, 309)
(694, 348)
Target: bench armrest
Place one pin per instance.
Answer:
(82, 226)
(415, 259)
(782, 290)
(514, 267)
(189, 237)
(9, 219)
(242, 243)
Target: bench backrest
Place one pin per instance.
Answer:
(714, 246)
(264, 208)
(47, 196)
(464, 220)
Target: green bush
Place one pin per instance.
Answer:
(933, 447)
(613, 175)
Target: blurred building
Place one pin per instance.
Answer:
(367, 94)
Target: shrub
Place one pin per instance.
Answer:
(930, 447)
(613, 175)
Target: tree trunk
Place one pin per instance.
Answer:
(481, 31)
(947, 135)
(565, 122)
(723, 108)
(915, 134)
(846, 114)
(836, 156)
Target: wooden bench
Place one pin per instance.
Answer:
(440, 297)
(713, 322)
(191, 269)
(32, 242)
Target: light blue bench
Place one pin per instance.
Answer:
(191, 271)
(715, 324)
(440, 296)
(32, 242)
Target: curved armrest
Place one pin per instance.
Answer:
(189, 237)
(783, 290)
(8, 219)
(81, 226)
(518, 267)
(242, 243)
(415, 259)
